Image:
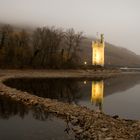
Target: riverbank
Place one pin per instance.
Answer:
(87, 124)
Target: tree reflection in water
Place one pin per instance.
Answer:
(82, 91)
(10, 108)
(31, 124)
(62, 89)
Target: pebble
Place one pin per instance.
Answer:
(77, 129)
(104, 129)
(109, 138)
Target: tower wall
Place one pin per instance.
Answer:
(98, 52)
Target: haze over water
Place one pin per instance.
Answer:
(118, 20)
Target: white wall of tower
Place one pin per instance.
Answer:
(98, 53)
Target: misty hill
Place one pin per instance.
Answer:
(114, 55)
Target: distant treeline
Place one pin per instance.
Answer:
(46, 47)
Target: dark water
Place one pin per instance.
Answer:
(18, 122)
(115, 96)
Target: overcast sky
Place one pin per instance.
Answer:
(119, 20)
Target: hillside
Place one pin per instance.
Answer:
(114, 55)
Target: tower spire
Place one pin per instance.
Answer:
(102, 38)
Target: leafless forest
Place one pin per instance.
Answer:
(46, 47)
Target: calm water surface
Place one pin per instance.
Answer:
(115, 96)
(18, 122)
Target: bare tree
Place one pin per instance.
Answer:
(46, 47)
(70, 39)
(73, 41)
(5, 33)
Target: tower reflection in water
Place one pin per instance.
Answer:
(97, 91)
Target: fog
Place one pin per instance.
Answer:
(119, 20)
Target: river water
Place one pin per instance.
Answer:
(115, 96)
(17, 122)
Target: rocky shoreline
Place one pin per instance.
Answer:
(87, 124)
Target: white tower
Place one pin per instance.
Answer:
(98, 51)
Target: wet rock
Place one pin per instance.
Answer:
(109, 138)
(77, 130)
(104, 129)
(74, 122)
(35, 103)
(135, 125)
(86, 135)
(13, 96)
(115, 116)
